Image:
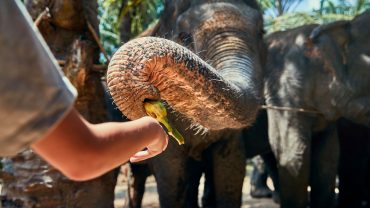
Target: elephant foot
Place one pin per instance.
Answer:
(260, 192)
(276, 197)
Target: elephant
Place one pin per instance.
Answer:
(354, 164)
(315, 75)
(208, 102)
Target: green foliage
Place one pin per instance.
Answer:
(342, 7)
(329, 11)
(274, 8)
(142, 13)
(288, 20)
(108, 16)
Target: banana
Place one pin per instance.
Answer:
(157, 110)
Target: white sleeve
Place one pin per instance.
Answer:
(34, 93)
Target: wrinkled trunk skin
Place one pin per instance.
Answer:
(176, 73)
(28, 181)
(209, 102)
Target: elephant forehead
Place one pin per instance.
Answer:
(218, 15)
(221, 19)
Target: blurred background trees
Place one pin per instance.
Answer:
(121, 20)
(282, 14)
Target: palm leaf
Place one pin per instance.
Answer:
(288, 20)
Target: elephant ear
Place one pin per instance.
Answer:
(338, 31)
(172, 10)
(333, 39)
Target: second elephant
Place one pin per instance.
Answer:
(324, 70)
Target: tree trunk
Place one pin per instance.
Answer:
(125, 24)
(28, 181)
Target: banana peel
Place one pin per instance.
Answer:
(157, 110)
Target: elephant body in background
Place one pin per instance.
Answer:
(326, 71)
(209, 102)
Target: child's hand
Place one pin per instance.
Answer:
(157, 146)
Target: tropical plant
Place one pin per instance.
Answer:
(342, 10)
(142, 13)
(275, 8)
(328, 11)
(288, 20)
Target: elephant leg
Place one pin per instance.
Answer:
(272, 170)
(324, 166)
(259, 188)
(195, 171)
(354, 160)
(136, 184)
(228, 160)
(169, 169)
(208, 199)
(367, 181)
(290, 139)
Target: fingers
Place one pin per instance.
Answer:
(149, 152)
(157, 146)
(165, 142)
(143, 155)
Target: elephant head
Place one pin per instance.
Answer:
(218, 85)
(347, 58)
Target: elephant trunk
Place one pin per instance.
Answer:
(155, 68)
(239, 64)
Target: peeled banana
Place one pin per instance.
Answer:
(157, 110)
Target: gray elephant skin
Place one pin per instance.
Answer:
(325, 70)
(213, 89)
(255, 140)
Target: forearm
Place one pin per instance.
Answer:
(83, 151)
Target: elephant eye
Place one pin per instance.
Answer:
(185, 38)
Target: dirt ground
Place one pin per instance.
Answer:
(150, 199)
